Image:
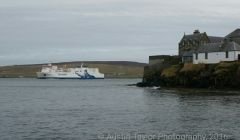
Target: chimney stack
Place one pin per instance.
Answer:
(196, 32)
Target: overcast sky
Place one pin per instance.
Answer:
(44, 31)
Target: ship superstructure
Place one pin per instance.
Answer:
(53, 72)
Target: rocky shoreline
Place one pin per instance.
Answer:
(225, 75)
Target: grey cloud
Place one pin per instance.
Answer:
(60, 30)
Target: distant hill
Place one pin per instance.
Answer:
(111, 69)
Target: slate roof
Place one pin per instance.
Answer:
(219, 47)
(235, 33)
(215, 39)
(193, 36)
(237, 40)
(235, 36)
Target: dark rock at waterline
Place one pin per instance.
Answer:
(220, 76)
(130, 85)
(142, 84)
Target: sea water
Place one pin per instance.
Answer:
(109, 109)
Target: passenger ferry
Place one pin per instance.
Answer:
(53, 72)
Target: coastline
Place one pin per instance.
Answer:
(225, 75)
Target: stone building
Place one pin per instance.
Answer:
(226, 50)
(190, 43)
(157, 60)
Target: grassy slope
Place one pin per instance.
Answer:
(111, 69)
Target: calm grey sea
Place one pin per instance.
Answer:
(108, 109)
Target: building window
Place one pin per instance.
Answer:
(196, 56)
(206, 55)
(227, 54)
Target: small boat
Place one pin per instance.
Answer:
(53, 72)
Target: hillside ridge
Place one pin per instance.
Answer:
(111, 69)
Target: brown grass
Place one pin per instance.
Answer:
(192, 67)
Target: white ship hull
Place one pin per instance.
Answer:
(41, 75)
(52, 72)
